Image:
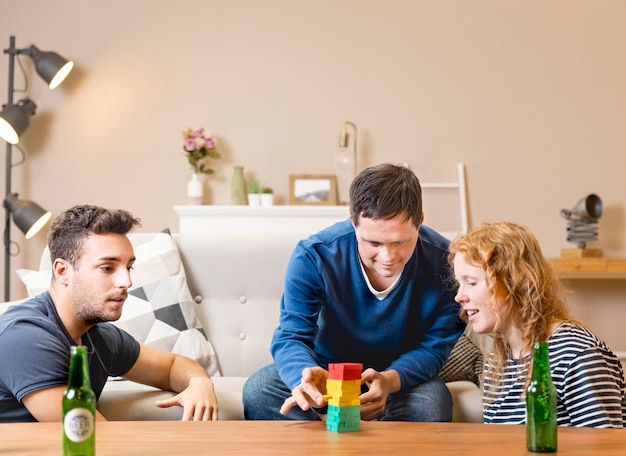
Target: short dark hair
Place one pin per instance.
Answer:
(70, 229)
(385, 191)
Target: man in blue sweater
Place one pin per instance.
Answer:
(375, 290)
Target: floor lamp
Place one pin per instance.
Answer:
(14, 119)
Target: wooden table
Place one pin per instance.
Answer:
(155, 438)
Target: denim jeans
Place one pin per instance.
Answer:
(264, 394)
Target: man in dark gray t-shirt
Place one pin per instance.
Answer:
(91, 262)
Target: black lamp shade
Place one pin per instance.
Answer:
(50, 66)
(14, 120)
(29, 217)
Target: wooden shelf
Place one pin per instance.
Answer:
(590, 268)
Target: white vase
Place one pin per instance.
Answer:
(254, 199)
(195, 189)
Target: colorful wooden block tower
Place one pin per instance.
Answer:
(343, 388)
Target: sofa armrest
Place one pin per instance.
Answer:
(123, 400)
(467, 402)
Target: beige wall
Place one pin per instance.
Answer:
(529, 94)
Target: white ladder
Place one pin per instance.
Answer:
(461, 186)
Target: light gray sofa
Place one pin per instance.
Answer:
(236, 281)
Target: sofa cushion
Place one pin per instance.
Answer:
(467, 400)
(5, 305)
(159, 312)
(123, 400)
(464, 363)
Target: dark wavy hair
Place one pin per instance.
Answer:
(70, 229)
(385, 191)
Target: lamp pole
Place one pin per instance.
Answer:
(7, 182)
(28, 216)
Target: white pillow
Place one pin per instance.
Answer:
(159, 312)
(5, 305)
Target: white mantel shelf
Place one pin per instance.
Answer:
(286, 219)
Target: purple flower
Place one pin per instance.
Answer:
(199, 146)
(190, 144)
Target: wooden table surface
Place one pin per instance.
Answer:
(150, 438)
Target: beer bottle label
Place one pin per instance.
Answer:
(78, 424)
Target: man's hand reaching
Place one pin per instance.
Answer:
(310, 392)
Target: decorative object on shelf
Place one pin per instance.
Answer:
(199, 145)
(14, 120)
(254, 195)
(346, 161)
(267, 197)
(313, 189)
(238, 192)
(582, 226)
(195, 189)
(344, 157)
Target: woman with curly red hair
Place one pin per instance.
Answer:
(509, 290)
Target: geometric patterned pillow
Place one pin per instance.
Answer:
(464, 363)
(159, 311)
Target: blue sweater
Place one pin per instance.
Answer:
(328, 314)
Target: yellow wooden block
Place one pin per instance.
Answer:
(345, 386)
(343, 401)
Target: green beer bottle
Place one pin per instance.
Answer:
(79, 408)
(541, 428)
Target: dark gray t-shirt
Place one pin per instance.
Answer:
(35, 354)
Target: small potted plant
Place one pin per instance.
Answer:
(254, 194)
(267, 196)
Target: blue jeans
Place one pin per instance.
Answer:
(264, 393)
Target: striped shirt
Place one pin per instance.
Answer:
(588, 377)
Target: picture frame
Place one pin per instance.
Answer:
(312, 189)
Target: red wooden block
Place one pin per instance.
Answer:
(345, 371)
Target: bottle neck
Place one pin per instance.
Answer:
(541, 362)
(79, 369)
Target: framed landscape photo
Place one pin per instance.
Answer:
(312, 189)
